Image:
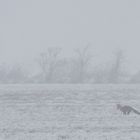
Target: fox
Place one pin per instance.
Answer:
(126, 109)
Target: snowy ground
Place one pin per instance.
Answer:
(68, 112)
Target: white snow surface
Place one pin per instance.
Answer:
(68, 112)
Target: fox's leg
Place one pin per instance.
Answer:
(125, 113)
(128, 112)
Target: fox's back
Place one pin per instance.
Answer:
(126, 108)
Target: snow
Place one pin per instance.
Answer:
(68, 112)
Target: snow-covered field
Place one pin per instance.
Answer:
(68, 112)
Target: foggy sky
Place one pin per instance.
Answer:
(27, 27)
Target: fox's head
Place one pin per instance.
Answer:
(118, 106)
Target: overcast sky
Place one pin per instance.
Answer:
(28, 26)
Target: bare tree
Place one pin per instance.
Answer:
(135, 78)
(115, 71)
(3, 73)
(48, 62)
(100, 75)
(17, 75)
(80, 64)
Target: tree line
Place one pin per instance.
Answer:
(54, 68)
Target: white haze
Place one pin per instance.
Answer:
(27, 27)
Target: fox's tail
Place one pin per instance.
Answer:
(135, 111)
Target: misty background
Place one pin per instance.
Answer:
(77, 41)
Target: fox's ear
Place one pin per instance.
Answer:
(117, 105)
